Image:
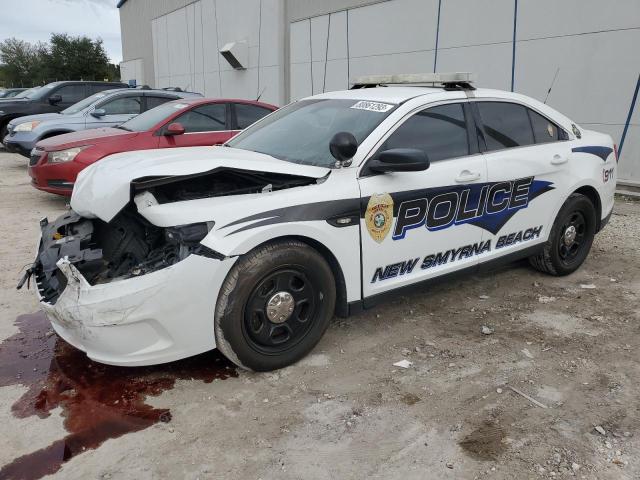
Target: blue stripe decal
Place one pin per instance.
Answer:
(602, 152)
(435, 55)
(513, 52)
(626, 124)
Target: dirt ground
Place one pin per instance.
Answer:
(345, 411)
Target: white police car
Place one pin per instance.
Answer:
(321, 208)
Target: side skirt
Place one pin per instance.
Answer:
(369, 302)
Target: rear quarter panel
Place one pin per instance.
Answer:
(593, 162)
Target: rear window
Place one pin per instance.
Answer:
(506, 125)
(544, 130)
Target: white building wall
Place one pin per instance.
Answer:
(186, 43)
(132, 70)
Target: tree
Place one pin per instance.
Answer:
(23, 62)
(77, 58)
(64, 58)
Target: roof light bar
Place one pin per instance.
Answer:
(446, 78)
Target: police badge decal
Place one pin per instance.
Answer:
(379, 216)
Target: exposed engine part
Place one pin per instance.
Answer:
(127, 246)
(216, 183)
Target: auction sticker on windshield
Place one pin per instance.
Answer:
(372, 106)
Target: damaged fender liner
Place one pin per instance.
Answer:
(126, 247)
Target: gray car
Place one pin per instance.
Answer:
(108, 108)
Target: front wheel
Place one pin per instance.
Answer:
(570, 238)
(274, 306)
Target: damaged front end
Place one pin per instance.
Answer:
(129, 245)
(101, 252)
(129, 286)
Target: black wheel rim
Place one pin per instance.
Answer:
(573, 235)
(274, 337)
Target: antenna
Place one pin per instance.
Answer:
(260, 95)
(551, 86)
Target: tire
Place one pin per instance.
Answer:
(559, 257)
(3, 132)
(248, 333)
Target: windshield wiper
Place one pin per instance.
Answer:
(124, 128)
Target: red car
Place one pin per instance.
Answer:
(55, 162)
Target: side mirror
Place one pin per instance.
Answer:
(99, 112)
(343, 146)
(399, 160)
(174, 128)
(55, 99)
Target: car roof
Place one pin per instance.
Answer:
(381, 94)
(199, 100)
(401, 94)
(60, 82)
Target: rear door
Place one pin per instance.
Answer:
(204, 125)
(527, 169)
(419, 225)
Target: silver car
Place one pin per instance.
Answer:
(108, 108)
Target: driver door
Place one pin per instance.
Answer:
(417, 225)
(204, 125)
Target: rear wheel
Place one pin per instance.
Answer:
(570, 239)
(274, 306)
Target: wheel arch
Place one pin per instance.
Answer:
(342, 306)
(592, 194)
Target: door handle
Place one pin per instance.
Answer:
(558, 159)
(466, 176)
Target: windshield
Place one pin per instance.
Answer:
(82, 104)
(301, 132)
(149, 119)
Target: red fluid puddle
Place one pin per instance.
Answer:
(98, 401)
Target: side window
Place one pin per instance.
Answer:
(153, 102)
(544, 131)
(206, 118)
(505, 124)
(71, 93)
(123, 106)
(247, 114)
(441, 132)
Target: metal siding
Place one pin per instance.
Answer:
(593, 44)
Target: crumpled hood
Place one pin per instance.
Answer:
(104, 188)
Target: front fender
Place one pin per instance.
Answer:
(342, 242)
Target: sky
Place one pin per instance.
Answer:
(35, 20)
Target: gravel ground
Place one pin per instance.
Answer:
(345, 411)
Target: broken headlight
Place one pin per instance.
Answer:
(188, 234)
